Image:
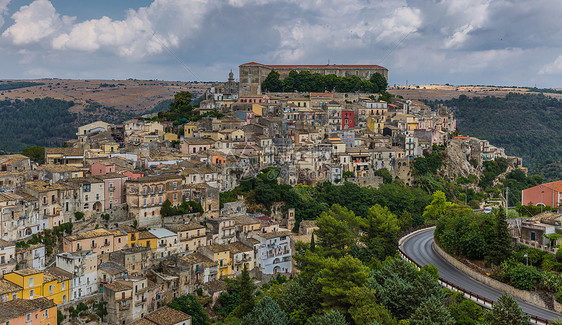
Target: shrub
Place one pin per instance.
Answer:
(524, 277)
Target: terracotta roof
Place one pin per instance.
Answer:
(238, 247)
(146, 235)
(315, 66)
(217, 248)
(7, 287)
(94, 233)
(119, 285)
(19, 307)
(26, 272)
(55, 273)
(167, 316)
(274, 234)
(189, 226)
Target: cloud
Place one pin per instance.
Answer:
(3, 10)
(554, 67)
(35, 22)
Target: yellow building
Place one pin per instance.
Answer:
(53, 283)
(56, 284)
(170, 137)
(136, 238)
(219, 254)
(109, 146)
(299, 102)
(189, 130)
(30, 280)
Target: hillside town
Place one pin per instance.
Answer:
(130, 215)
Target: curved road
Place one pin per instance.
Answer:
(420, 249)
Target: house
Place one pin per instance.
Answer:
(32, 256)
(84, 269)
(307, 227)
(223, 230)
(533, 230)
(135, 260)
(65, 156)
(15, 163)
(274, 252)
(242, 256)
(127, 300)
(165, 316)
(40, 311)
(90, 192)
(8, 290)
(101, 169)
(100, 241)
(145, 196)
(544, 194)
(7, 257)
(220, 255)
(53, 284)
(114, 189)
(109, 272)
(167, 241)
(196, 145)
(203, 269)
(191, 236)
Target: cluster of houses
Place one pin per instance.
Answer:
(116, 183)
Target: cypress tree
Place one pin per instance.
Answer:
(501, 245)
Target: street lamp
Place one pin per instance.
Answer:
(527, 258)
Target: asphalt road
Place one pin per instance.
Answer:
(420, 249)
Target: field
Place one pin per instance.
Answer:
(445, 92)
(132, 96)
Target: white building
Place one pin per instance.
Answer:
(274, 252)
(84, 269)
(168, 242)
(7, 257)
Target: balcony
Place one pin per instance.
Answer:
(111, 189)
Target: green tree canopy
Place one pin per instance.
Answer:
(191, 306)
(35, 153)
(506, 311)
(266, 312)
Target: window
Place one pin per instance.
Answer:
(87, 187)
(28, 317)
(31, 282)
(63, 286)
(533, 236)
(31, 293)
(46, 313)
(50, 289)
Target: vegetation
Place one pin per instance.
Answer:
(191, 306)
(185, 207)
(8, 85)
(35, 153)
(309, 202)
(305, 81)
(39, 122)
(526, 125)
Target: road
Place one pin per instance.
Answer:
(420, 249)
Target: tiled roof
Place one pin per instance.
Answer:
(26, 272)
(7, 286)
(167, 316)
(19, 307)
(94, 233)
(238, 247)
(55, 273)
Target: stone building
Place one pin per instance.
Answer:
(252, 74)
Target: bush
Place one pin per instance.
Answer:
(559, 256)
(78, 215)
(524, 277)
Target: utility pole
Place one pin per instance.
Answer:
(506, 201)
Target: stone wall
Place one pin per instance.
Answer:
(528, 296)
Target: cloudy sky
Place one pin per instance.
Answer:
(495, 42)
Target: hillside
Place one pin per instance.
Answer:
(526, 125)
(135, 96)
(47, 112)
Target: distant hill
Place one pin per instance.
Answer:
(526, 125)
(47, 112)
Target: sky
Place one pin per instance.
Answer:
(461, 42)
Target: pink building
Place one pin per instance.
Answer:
(544, 194)
(100, 241)
(114, 189)
(132, 175)
(196, 145)
(101, 169)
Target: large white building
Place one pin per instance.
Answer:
(274, 252)
(84, 269)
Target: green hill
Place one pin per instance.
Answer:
(525, 125)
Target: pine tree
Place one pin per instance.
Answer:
(431, 312)
(246, 291)
(266, 312)
(506, 311)
(331, 317)
(312, 244)
(501, 245)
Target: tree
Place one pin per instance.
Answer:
(501, 245)
(167, 209)
(272, 83)
(266, 312)
(301, 295)
(379, 82)
(336, 230)
(381, 232)
(35, 153)
(338, 278)
(437, 208)
(385, 174)
(524, 277)
(246, 289)
(182, 101)
(432, 312)
(331, 317)
(191, 306)
(506, 311)
(365, 309)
